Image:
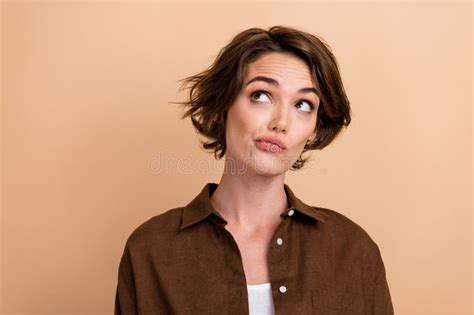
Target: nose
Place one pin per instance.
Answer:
(279, 120)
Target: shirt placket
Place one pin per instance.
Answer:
(278, 268)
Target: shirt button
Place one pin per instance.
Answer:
(282, 289)
(279, 241)
(290, 213)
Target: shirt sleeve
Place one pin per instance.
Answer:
(125, 296)
(382, 301)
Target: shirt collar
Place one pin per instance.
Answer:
(200, 207)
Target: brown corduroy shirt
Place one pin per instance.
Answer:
(184, 261)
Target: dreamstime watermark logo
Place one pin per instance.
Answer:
(163, 164)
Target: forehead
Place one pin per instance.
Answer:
(281, 66)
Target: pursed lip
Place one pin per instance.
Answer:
(273, 140)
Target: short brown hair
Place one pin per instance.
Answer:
(214, 90)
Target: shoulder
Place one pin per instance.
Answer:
(345, 232)
(156, 228)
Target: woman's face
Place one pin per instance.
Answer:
(278, 100)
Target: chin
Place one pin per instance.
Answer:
(268, 165)
(258, 162)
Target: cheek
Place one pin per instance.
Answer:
(236, 128)
(310, 127)
(245, 118)
(304, 132)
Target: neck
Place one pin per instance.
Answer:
(250, 203)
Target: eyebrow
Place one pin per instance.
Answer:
(275, 83)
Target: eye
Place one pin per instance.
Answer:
(309, 106)
(256, 95)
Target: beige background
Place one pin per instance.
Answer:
(87, 128)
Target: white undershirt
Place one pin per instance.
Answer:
(260, 299)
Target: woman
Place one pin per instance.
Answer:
(248, 245)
